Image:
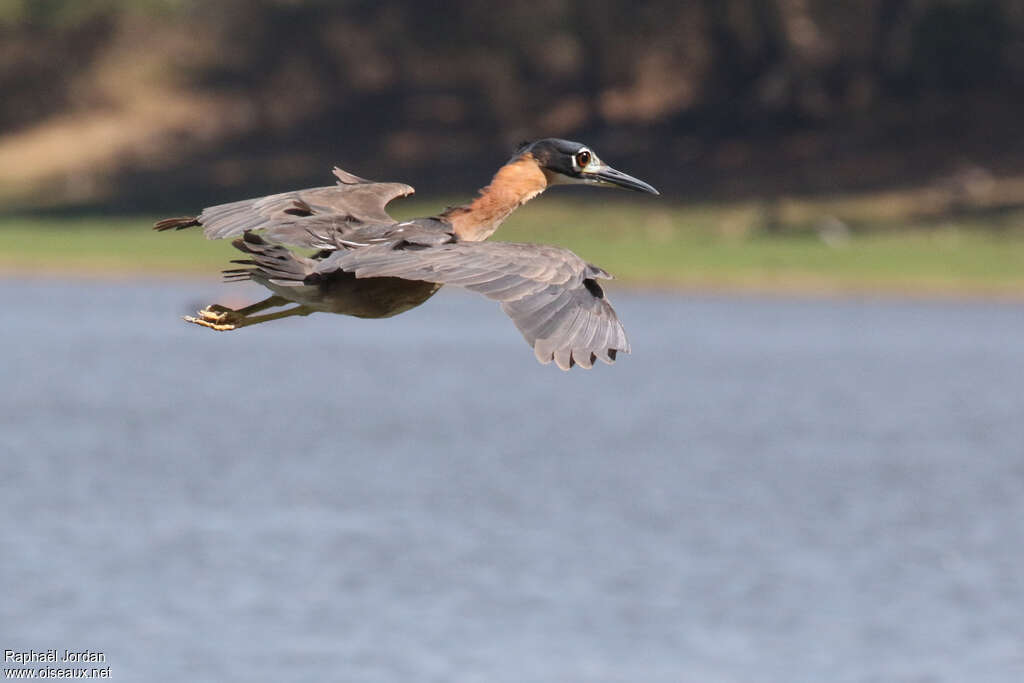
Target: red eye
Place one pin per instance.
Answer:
(583, 158)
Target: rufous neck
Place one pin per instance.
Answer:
(515, 183)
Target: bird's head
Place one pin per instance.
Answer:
(566, 162)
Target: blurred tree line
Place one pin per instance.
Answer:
(733, 96)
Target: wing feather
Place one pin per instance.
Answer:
(548, 292)
(310, 217)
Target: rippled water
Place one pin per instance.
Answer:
(766, 490)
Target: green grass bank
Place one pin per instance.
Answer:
(789, 247)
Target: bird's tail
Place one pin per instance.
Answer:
(271, 263)
(179, 223)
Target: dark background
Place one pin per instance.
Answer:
(131, 105)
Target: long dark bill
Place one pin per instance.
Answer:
(610, 176)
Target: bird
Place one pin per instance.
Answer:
(366, 264)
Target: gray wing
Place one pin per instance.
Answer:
(550, 293)
(302, 217)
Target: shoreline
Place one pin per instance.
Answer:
(694, 250)
(794, 285)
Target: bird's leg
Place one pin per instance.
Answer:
(256, 319)
(222, 315)
(222, 319)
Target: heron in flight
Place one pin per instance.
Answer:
(367, 264)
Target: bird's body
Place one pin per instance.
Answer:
(369, 265)
(371, 297)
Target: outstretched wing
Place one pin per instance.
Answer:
(301, 217)
(551, 294)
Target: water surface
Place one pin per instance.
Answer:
(765, 490)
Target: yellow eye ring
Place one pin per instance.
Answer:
(583, 158)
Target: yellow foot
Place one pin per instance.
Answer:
(220, 327)
(218, 314)
(216, 317)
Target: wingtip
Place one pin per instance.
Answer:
(566, 359)
(584, 359)
(346, 178)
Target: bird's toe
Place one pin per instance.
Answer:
(212, 324)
